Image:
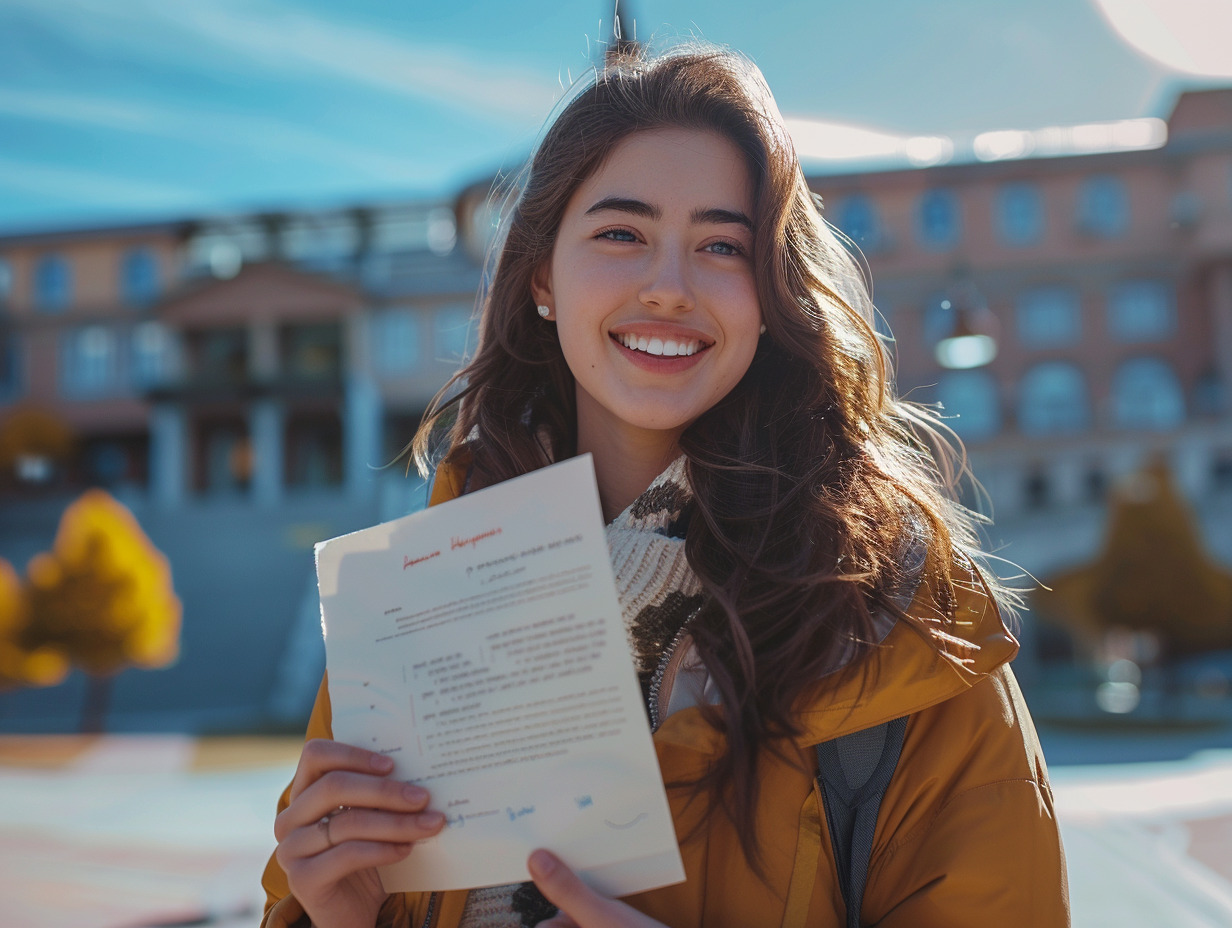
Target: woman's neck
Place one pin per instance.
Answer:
(625, 463)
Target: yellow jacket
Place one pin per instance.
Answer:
(966, 835)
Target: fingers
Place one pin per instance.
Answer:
(579, 904)
(361, 826)
(321, 755)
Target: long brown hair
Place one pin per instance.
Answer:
(809, 477)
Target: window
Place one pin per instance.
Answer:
(1049, 316)
(53, 283)
(395, 341)
(857, 217)
(1053, 398)
(1103, 207)
(970, 403)
(1146, 394)
(940, 222)
(139, 277)
(153, 354)
(6, 281)
(1141, 311)
(1020, 214)
(89, 362)
(452, 333)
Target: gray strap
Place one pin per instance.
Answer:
(853, 772)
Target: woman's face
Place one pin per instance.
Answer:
(651, 283)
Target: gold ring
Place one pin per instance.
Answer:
(323, 824)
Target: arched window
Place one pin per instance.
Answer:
(1146, 394)
(1103, 207)
(139, 277)
(857, 217)
(940, 220)
(53, 283)
(970, 403)
(1049, 316)
(1020, 213)
(1053, 398)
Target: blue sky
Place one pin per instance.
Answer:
(127, 110)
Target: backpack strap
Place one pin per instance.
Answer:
(853, 773)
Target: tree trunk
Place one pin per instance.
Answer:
(98, 701)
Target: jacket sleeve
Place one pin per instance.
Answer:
(989, 851)
(282, 910)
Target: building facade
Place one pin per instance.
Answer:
(270, 363)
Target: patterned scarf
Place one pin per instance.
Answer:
(657, 593)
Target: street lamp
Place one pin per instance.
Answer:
(971, 341)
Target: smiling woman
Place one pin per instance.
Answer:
(790, 565)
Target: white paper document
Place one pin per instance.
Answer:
(480, 645)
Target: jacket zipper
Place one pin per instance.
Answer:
(427, 922)
(661, 672)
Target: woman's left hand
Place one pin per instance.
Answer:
(580, 906)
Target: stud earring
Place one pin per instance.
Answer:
(763, 328)
(543, 311)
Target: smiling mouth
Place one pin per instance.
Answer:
(661, 347)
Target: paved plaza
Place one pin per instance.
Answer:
(133, 831)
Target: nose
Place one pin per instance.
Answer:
(667, 285)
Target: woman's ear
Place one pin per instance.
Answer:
(541, 290)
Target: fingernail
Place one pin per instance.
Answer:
(431, 819)
(542, 863)
(381, 762)
(412, 793)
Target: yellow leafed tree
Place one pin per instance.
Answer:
(18, 666)
(1153, 574)
(103, 597)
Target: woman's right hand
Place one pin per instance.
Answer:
(346, 817)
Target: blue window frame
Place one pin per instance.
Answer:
(1053, 398)
(89, 362)
(53, 283)
(1142, 310)
(139, 283)
(1146, 394)
(1020, 213)
(857, 217)
(939, 220)
(1103, 206)
(1049, 316)
(971, 403)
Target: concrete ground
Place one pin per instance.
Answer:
(132, 831)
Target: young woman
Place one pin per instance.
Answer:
(668, 298)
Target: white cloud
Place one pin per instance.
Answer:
(215, 129)
(91, 188)
(274, 36)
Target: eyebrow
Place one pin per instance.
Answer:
(701, 216)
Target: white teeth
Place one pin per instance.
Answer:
(660, 347)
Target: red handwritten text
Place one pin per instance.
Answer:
(412, 561)
(455, 543)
